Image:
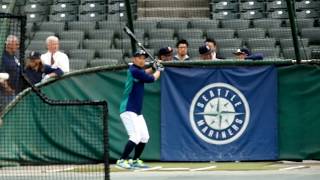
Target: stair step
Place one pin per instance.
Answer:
(173, 3)
(174, 12)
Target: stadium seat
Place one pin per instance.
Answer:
(139, 33)
(56, 27)
(122, 43)
(224, 5)
(193, 53)
(67, 45)
(161, 34)
(252, 14)
(74, 2)
(204, 24)
(86, 54)
(111, 53)
(63, 8)
(302, 23)
(96, 44)
(4, 8)
(278, 14)
(77, 64)
(103, 62)
(35, 8)
(236, 24)
(308, 13)
(221, 33)
(190, 34)
(289, 53)
(245, 34)
(101, 34)
(42, 35)
(86, 27)
(228, 52)
(267, 23)
(92, 16)
(147, 25)
(224, 15)
(313, 34)
(263, 42)
(288, 43)
(116, 7)
(119, 16)
(276, 5)
(30, 27)
(280, 33)
(173, 24)
(42, 2)
(92, 1)
(195, 43)
(117, 26)
(267, 52)
(252, 5)
(39, 45)
(229, 43)
(35, 17)
(156, 44)
(307, 4)
(72, 35)
(92, 7)
(62, 17)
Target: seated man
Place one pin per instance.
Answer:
(205, 52)
(36, 71)
(165, 54)
(245, 53)
(182, 51)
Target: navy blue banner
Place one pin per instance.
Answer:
(219, 114)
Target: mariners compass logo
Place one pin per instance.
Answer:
(219, 113)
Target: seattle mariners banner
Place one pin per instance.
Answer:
(219, 114)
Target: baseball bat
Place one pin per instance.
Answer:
(130, 33)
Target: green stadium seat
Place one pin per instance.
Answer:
(39, 45)
(42, 35)
(96, 44)
(86, 54)
(288, 43)
(35, 8)
(35, 17)
(224, 5)
(74, 2)
(302, 23)
(227, 52)
(111, 53)
(161, 34)
(92, 1)
(92, 16)
(221, 33)
(62, 17)
(307, 4)
(229, 43)
(280, 33)
(289, 53)
(120, 16)
(139, 33)
(56, 27)
(245, 34)
(224, 15)
(204, 24)
(267, 23)
(261, 43)
(67, 45)
(252, 14)
(267, 52)
(103, 62)
(276, 5)
(195, 43)
(117, 26)
(156, 44)
(92, 7)
(86, 27)
(173, 24)
(147, 25)
(190, 34)
(194, 52)
(236, 24)
(77, 64)
(122, 44)
(101, 34)
(278, 14)
(313, 34)
(252, 5)
(43, 2)
(308, 13)
(64, 8)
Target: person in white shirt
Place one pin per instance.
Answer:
(54, 57)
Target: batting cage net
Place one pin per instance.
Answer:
(42, 138)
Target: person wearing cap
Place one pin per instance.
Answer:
(131, 109)
(165, 54)
(245, 54)
(54, 57)
(182, 51)
(213, 45)
(37, 72)
(205, 52)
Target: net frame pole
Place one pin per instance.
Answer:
(130, 24)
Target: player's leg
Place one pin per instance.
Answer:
(144, 133)
(129, 121)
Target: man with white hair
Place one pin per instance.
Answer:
(54, 57)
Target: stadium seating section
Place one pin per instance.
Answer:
(91, 30)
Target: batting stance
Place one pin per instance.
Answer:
(130, 109)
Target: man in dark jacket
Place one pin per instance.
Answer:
(245, 54)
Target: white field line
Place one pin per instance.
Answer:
(292, 167)
(148, 169)
(204, 168)
(59, 170)
(174, 169)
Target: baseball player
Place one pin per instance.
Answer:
(130, 109)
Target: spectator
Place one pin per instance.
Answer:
(213, 45)
(165, 54)
(182, 51)
(54, 57)
(36, 71)
(245, 53)
(11, 65)
(205, 52)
